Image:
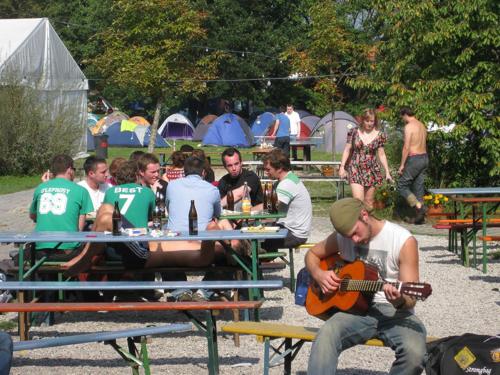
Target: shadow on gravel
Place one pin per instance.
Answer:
(202, 362)
(450, 261)
(432, 248)
(486, 278)
(349, 371)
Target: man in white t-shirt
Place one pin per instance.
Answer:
(294, 118)
(294, 199)
(96, 172)
(390, 315)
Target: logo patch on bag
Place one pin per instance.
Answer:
(464, 358)
(495, 355)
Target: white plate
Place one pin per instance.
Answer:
(260, 229)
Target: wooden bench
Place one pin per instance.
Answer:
(286, 350)
(211, 308)
(135, 357)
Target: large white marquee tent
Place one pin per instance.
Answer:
(33, 55)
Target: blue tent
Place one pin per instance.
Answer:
(229, 130)
(262, 123)
(137, 137)
(117, 137)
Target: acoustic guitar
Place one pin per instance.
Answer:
(359, 282)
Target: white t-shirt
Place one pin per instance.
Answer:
(294, 123)
(383, 251)
(97, 196)
(293, 194)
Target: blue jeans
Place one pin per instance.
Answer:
(5, 353)
(398, 329)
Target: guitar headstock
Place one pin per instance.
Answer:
(417, 290)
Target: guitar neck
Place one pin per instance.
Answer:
(349, 285)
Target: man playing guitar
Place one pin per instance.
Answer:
(390, 316)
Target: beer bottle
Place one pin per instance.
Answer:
(264, 196)
(246, 203)
(269, 193)
(230, 200)
(193, 220)
(274, 201)
(117, 220)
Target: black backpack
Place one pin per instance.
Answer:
(466, 354)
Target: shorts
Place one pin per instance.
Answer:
(134, 254)
(290, 241)
(57, 255)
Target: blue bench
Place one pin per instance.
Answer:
(207, 326)
(134, 357)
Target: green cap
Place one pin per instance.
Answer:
(344, 213)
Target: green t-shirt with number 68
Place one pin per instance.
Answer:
(136, 203)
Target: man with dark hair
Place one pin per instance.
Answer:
(235, 180)
(293, 199)
(135, 155)
(149, 173)
(281, 131)
(390, 315)
(96, 172)
(414, 163)
(60, 205)
(180, 192)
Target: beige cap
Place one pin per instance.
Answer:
(344, 213)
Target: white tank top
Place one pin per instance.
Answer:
(382, 251)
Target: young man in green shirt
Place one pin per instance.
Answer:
(60, 205)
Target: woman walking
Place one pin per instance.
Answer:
(359, 160)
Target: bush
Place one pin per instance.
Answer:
(30, 135)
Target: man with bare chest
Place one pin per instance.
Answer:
(414, 163)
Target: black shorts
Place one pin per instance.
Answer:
(290, 241)
(57, 255)
(134, 254)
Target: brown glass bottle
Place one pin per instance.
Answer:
(230, 200)
(274, 201)
(117, 220)
(269, 193)
(264, 196)
(193, 220)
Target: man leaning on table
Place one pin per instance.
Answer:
(235, 179)
(293, 199)
(59, 204)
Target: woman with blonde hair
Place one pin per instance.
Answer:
(359, 164)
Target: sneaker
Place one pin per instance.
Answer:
(420, 216)
(185, 296)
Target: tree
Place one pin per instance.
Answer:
(148, 48)
(441, 58)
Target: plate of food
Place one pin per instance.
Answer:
(261, 229)
(229, 212)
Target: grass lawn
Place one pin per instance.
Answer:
(12, 184)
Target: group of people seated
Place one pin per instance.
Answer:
(137, 184)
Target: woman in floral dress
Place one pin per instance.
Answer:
(359, 160)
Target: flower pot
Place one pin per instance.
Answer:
(433, 212)
(378, 205)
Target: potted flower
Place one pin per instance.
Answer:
(384, 195)
(435, 203)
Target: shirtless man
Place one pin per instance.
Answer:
(414, 162)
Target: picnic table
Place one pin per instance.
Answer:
(482, 196)
(250, 266)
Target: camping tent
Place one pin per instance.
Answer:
(309, 121)
(262, 123)
(33, 55)
(229, 130)
(139, 120)
(202, 127)
(302, 113)
(176, 126)
(105, 122)
(323, 129)
(121, 133)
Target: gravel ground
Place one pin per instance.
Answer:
(463, 300)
